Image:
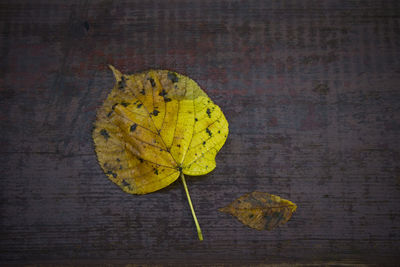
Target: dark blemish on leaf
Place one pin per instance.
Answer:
(155, 171)
(141, 160)
(204, 143)
(104, 133)
(122, 83)
(86, 25)
(172, 76)
(133, 127)
(118, 160)
(195, 119)
(163, 93)
(143, 92)
(251, 215)
(208, 112)
(206, 166)
(219, 131)
(209, 132)
(178, 145)
(120, 167)
(153, 83)
(125, 183)
(138, 106)
(112, 173)
(155, 112)
(124, 104)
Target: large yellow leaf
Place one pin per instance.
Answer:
(155, 126)
(261, 210)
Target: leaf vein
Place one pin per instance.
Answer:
(208, 125)
(144, 106)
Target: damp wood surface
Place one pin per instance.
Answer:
(311, 93)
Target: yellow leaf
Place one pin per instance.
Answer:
(261, 210)
(155, 126)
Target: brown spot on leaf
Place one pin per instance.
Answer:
(105, 134)
(208, 111)
(153, 83)
(172, 76)
(162, 93)
(112, 173)
(122, 83)
(133, 127)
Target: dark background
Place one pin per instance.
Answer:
(311, 92)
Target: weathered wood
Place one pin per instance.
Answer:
(311, 91)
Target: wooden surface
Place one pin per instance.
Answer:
(311, 92)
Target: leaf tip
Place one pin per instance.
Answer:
(294, 208)
(117, 73)
(224, 209)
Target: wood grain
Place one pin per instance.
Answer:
(311, 92)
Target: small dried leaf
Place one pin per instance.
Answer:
(261, 210)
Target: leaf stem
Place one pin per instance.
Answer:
(191, 208)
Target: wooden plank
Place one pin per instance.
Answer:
(310, 90)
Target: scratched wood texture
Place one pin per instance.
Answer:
(311, 92)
